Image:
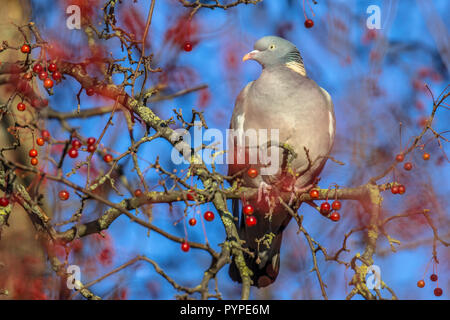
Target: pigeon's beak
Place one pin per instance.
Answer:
(250, 55)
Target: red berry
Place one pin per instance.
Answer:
(248, 209)
(52, 67)
(191, 195)
(325, 208)
(137, 192)
(91, 148)
(438, 292)
(37, 68)
(192, 221)
(63, 195)
(36, 103)
(426, 156)
(400, 157)
(73, 152)
(336, 205)
(407, 166)
(56, 75)
(90, 91)
(309, 23)
(90, 141)
(48, 83)
(421, 283)
(21, 106)
(34, 161)
(209, 216)
(4, 202)
(33, 153)
(314, 194)
(107, 158)
(185, 246)
(335, 216)
(433, 277)
(40, 142)
(252, 172)
(25, 48)
(45, 134)
(76, 143)
(187, 46)
(250, 221)
(28, 76)
(401, 189)
(394, 189)
(43, 75)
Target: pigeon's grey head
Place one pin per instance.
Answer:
(275, 51)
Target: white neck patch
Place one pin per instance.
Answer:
(297, 67)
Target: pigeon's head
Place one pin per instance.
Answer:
(274, 51)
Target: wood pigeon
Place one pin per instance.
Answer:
(283, 98)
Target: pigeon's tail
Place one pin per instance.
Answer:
(264, 240)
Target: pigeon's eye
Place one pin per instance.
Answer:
(272, 47)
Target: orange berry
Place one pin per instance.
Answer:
(252, 172)
(314, 194)
(107, 158)
(21, 106)
(25, 48)
(48, 83)
(40, 141)
(63, 195)
(33, 153)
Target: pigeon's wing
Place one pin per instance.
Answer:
(300, 110)
(332, 119)
(237, 123)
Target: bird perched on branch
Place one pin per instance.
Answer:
(283, 98)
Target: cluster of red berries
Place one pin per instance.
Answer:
(37, 102)
(208, 215)
(398, 189)
(250, 219)
(76, 144)
(43, 74)
(408, 165)
(327, 210)
(33, 155)
(438, 291)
